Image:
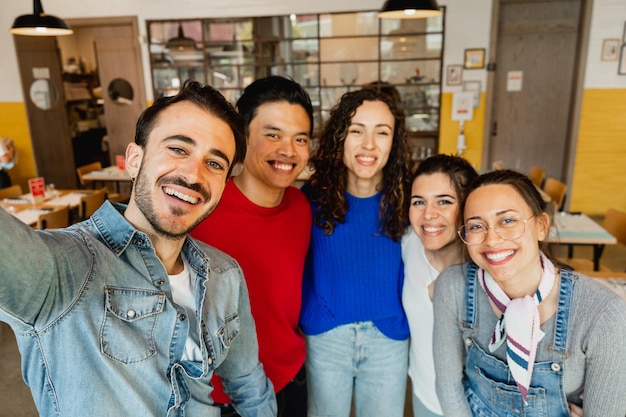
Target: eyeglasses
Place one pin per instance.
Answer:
(474, 232)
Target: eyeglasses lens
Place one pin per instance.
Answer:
(475, 233)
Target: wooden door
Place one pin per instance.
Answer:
(531, 124)
(40, 64)
(118, 56)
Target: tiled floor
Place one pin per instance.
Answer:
(16, 399)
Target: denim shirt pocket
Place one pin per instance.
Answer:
(223, 338)
(228, 332)
(130, 319)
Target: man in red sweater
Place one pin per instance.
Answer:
(265, 224)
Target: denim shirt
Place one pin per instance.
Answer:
(92, 311)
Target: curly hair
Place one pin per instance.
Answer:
(328, 183)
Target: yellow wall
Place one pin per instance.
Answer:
(473, 131)
(14, 124)
(600, 168)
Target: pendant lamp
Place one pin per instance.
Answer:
(39, 24)
(181, 42)
(409, 9)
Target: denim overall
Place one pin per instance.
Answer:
(490, 387)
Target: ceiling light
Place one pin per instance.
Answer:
(39, 24)
(181, 42)
(409, 9)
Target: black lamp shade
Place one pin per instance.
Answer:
(181, 43)
(409, 9)
(39, 23)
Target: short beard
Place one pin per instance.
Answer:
(145, 204)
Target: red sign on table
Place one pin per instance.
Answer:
(119, 160)
(37, 188)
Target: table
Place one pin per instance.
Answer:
(111, 173)
(25, 208)
(579, 229)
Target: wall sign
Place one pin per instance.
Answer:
(514, 80)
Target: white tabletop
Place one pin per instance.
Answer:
(31, 215)
(112, 173)
(57, 198)
(578, 229)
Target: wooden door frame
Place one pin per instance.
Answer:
(129, 24)
(116, 21)
(577, 85)
(49, 129)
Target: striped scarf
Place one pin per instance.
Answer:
(519, 322)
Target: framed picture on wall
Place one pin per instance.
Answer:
(454, 74)
(474, 58)
(621, 70)
(610, 49)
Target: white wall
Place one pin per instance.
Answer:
(467, 26)
(467, 23)
(607, 22)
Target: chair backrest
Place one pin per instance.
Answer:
(537, 175)
(615, 224)
(89, 203)
(85, 169)
(12, 191)
(54, 219)
(556, 190)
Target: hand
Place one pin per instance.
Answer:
(575, 411)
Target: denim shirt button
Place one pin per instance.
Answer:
(161, 282)
(210, 361)
(131, 314)
(182, 317)
(555, 367)
(469, 342)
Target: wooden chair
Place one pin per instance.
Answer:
(556, 190)
(89, 203)
(12, 191)
(536, 175)
(85, 183)
(54, 219)
(615, 223)
(86, 169)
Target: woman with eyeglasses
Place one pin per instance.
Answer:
(517, 334)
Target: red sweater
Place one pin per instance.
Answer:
(270, 245)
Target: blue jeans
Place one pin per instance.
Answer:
(356, 359)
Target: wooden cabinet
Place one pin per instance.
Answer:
(329, 54)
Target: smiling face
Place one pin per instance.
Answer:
(367, 146)
(434, 210)
(181, 173)
(278, 146)
(509, 262)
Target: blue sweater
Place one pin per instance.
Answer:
(355, 274)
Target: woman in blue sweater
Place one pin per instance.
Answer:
(356, 330)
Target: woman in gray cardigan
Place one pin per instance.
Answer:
(515, 335)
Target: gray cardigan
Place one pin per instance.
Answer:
(596, 342)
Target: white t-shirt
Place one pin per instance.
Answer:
(418, 275)
(184, 297)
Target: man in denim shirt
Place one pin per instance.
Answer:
(123, 314)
